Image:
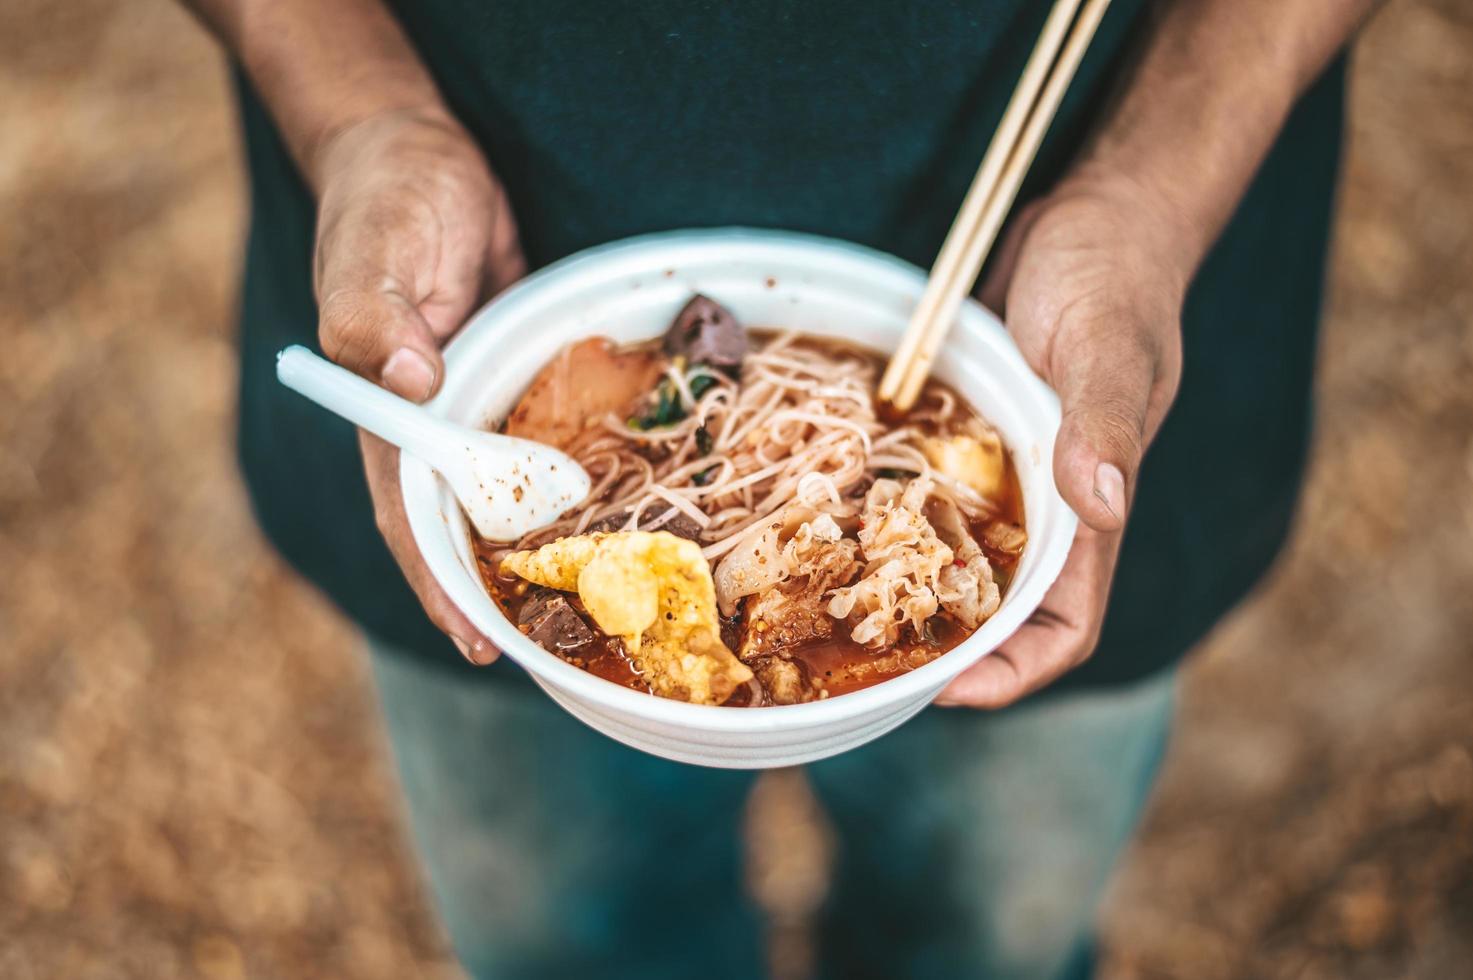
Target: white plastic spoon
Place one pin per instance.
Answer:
(507, 486)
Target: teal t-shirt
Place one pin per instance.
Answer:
(862, 121)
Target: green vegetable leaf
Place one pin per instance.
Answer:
(701, 384)
(664, 408)
(664, 403)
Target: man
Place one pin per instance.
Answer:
(407, 164)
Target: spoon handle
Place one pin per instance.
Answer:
(366, 405)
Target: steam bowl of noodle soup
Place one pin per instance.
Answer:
(652, 602)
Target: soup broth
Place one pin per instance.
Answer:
(676, 440)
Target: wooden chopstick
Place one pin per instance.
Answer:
(1014, 146)
(964, 226)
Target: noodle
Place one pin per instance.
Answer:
(800, 427)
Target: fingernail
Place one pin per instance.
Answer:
(480, 653)
(465, 651)
(1110, 488)
(409, 374)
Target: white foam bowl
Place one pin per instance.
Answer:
(630, 291)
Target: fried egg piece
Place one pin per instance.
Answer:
(977, 462)
(653, 591)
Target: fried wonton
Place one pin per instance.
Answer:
(653, 591)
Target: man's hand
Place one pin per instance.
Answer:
(1091, 279)
(413, 233)
(413, 230)
(1092, 294)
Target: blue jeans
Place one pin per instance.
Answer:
(969, 844)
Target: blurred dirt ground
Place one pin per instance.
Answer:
(192, 780)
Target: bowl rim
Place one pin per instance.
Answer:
(612, 261)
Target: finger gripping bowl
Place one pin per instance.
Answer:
(630, 291)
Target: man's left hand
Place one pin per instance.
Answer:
(1091, 290)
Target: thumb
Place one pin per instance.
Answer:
(379, 334)
(1105, 389)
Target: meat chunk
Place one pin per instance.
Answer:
(584, 383)
(550, 621)
(706, 333)
(784, 681)
(680, 525)
(816, 559)
(1005, 538)
(782, 618)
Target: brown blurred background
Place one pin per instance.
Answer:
(192, 779)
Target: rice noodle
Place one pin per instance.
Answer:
(677, 378)
(800, 427)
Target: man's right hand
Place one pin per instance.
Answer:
(413, 232)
